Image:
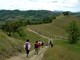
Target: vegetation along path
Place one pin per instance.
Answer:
(32, 55)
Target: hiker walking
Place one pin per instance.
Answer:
(36, 47)
(46, 44)
(42, 44)
(51, 42)
(27, 47)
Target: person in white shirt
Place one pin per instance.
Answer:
(27, 47)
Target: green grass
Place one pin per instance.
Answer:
(62, 50)
(33, 37)
(64, 21)
(29, 35)
(47, 29)
(9, 46)
(72, 47)
(57, 27)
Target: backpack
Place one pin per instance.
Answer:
(26, 46)
(36, 45)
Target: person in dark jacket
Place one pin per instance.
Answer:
(36, 47)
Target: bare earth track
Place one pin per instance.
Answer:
(32, 55)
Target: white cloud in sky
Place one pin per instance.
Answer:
(71, 5)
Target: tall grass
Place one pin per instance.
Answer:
(62, 51)
(29, 35)
(10, 46)
(57, 27)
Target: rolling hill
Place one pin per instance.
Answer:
(31, 15)
(61, 49)
(57, 27)
(10, 46)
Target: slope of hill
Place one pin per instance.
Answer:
(64, 21)
(47, 29)
(10, 46)
(77, 14)
(63, 51)
(57, 27)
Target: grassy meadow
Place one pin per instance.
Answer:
(29, 35)
(62, 50)
(10, 46)
(57, 27)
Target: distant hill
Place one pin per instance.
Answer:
(77, 14)
(35, 15)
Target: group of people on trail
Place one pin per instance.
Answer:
(37, 46)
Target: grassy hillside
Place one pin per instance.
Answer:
(47, 29)
(63, 51)
(10, 46)
(57, 27)
(33, 37)
(64, 21)
(28, 35)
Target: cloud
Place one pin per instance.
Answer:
(40, 4)
(54, 1)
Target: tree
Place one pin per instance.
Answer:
(28, 22)
(12, 26)
(73, 32)
(66, 13)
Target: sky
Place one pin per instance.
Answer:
(60, 5)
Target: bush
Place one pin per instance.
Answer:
(73, 32)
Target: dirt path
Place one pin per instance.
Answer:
(32, 55)
(38, 33)
(39, 56)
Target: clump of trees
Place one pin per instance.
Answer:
(73, 32)
(44, 20)
(36, 15)
(48, 19)
(66, 13)
(12, 26)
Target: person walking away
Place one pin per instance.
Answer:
(27, 47)
(36, 47)
(51, 42)
(46, 45)
(42, 44)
